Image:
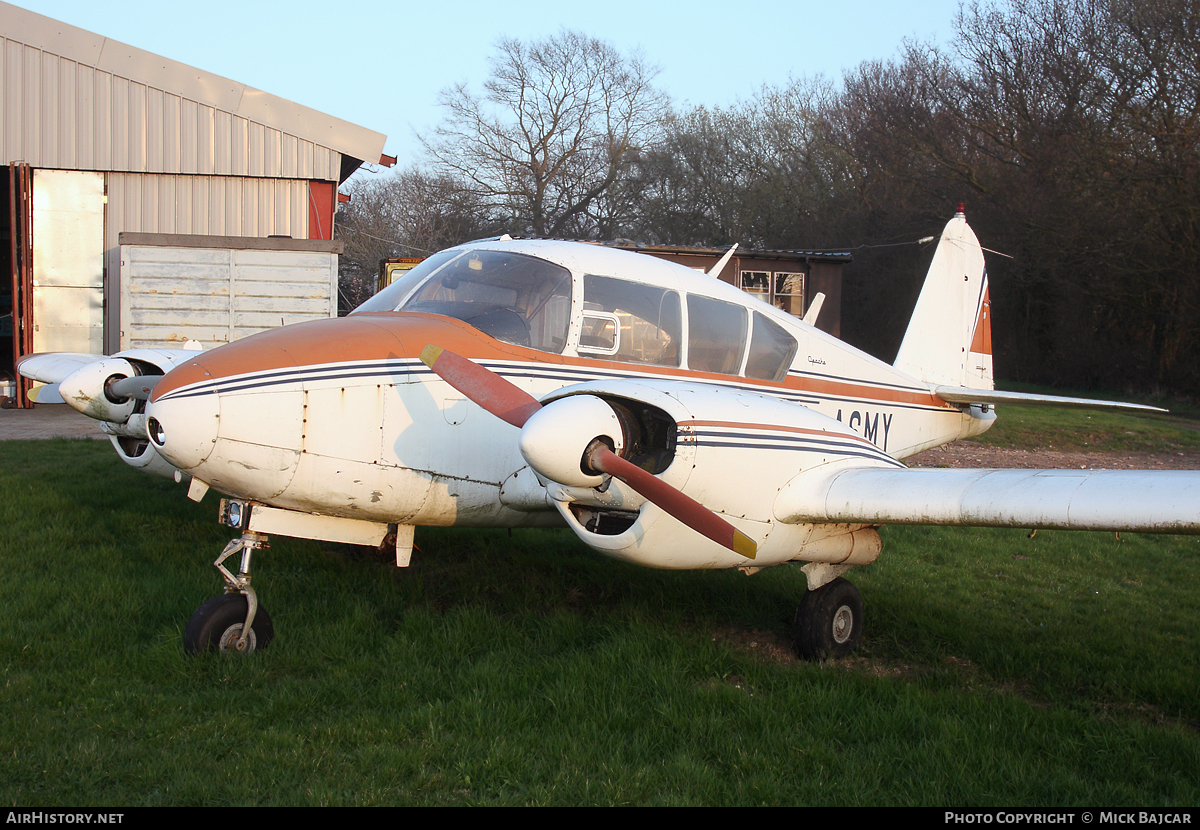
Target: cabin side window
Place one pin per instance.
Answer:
(630, 321)
(716, 335)
(772, 350)
(516, 298)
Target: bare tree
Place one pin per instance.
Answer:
(758, 173)
(1072, 129)
(557, 127)
(410, 213)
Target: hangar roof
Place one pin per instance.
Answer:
(96, 84)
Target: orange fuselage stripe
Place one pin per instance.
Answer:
(403, 335)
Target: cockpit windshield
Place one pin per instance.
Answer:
(389, 298)
(516, 298)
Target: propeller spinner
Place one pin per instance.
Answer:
(599, 457)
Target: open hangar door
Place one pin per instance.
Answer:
(53, 252)
(68, 261)
(16, 303)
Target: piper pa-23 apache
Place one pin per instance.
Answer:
(667, 418)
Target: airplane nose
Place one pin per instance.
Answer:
(183, 416)
(184, 428)
(236, 417)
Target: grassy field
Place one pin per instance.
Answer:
(1025, 427)
(996, 670)
(1092, 430)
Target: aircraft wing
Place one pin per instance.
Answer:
(1161, 501)
(51, 367)
(111, 389)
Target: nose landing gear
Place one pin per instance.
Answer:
(220, 625)
(232, 623)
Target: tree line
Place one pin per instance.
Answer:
(1067, 127)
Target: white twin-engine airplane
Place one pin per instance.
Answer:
(667, 418)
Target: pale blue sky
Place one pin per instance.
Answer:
(381, 64)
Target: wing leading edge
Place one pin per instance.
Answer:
(1162, 501)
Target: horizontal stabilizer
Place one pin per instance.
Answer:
(1160, 501)
(959, 394)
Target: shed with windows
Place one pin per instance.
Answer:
(788, 280)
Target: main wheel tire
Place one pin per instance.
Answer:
(217, 626)
(829, 621)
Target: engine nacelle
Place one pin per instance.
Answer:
(86, 389)
(555, 437)
(732, 451)
(129, 440)
(113, 391)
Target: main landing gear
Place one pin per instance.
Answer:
(232, 623)
(829, 621)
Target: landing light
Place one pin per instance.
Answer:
(235, 513)
(156, 432)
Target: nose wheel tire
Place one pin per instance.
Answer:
(829, 621)
(217, 626)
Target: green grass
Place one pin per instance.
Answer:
(1092, 430)
(996, 670)
(1032, 427)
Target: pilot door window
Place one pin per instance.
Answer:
(716, 335)
(771, 350)
(516, 298)
(630, 322)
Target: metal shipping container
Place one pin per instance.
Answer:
(216, 289)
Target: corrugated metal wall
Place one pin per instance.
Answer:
(56, 112)
(182, 151)
(220, 205)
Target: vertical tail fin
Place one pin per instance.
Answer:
(949, 339)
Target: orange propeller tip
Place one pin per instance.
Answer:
(430, 354)
(743, 545)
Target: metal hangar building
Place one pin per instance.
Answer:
(150, 201)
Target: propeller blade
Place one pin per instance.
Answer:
(46, 394)
(483, 386)
(683, 507)
(509, 403)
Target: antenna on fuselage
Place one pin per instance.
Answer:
(814, 309)
(716, 270)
